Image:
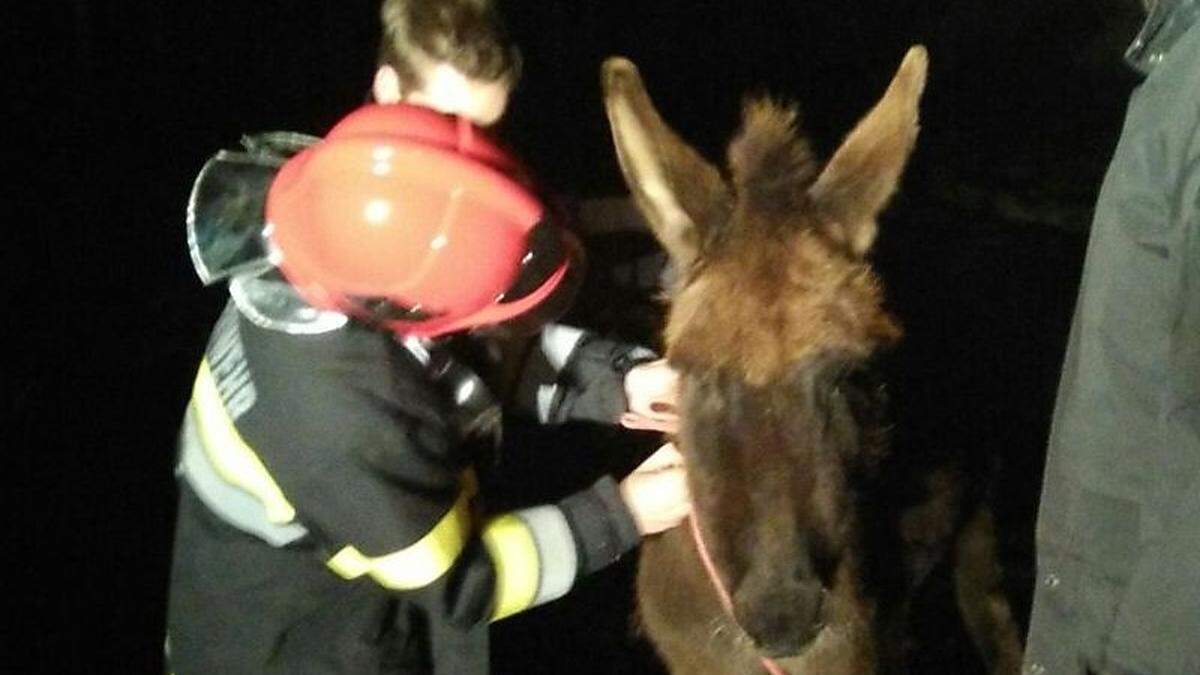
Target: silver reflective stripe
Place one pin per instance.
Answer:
(273, 304)
(556, 551)
(559, 342)
(229, 503)
(418, 347)
(546, 395)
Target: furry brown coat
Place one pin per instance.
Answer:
(774, 323)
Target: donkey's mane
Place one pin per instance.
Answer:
(772, 165)
(774, 286)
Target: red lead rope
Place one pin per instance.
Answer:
(726, 601)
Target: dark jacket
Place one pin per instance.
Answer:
(330, 520)
(1119, 530)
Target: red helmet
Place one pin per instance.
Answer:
(412, 219)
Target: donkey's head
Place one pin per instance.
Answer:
(774, 310)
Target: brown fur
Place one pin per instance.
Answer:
(774, 323)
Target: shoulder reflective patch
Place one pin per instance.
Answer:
(514, 554)
(417, 565)
(234, 460)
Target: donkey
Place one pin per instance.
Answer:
(817, 531)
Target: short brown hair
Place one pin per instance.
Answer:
(466, 34)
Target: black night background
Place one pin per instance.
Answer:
(117, 104)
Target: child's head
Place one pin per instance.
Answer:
(451, 55)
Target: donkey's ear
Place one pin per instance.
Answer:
(862, 175)
(680, 193)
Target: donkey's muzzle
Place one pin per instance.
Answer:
(785, 623)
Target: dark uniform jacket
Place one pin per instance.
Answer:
(329, 518)
(1119, 531)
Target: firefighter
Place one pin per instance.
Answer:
(330, 518)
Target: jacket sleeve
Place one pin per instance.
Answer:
(575, 375)
(394, 511)
(464, 566)
(1158, 620)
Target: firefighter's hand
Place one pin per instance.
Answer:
(652, 390)
(657, 493)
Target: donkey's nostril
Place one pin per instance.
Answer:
(815, 605)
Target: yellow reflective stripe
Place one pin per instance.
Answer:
(229, 454)
(417, 565)
(515, 557)
(348, 563)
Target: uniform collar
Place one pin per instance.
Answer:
(1167, 22)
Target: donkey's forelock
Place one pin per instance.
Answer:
(772, 166)
(773, 260)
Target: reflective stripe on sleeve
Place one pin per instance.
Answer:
(514, 554)
(230, 503)
(230, 456)
(417, 565)
(547, 395)
(559, 342)
(556, 551)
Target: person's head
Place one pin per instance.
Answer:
(454, 56)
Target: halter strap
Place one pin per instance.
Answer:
(722, 593)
